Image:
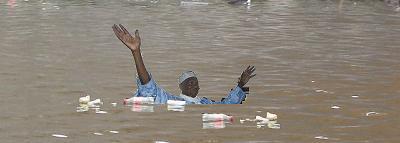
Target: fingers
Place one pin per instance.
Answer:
(137, 34)
(124, 30)
(116, 31)
(253, 75)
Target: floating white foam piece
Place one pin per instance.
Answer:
(161, 142)
(82, 108)
(84, 100)
(176, 102)
(114, 132)
(95, 103)
(320, 90)
(59, 136)
(335, 107)
(258, 111)
(114, 104)
(242, 121)
(355, 96)
(371, 113)
(271, 116)
(321, 137)
(259, 118)
(99, 134)
(101, 112)
(312, 81)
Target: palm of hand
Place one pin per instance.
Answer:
(246, 75)
(122, 34)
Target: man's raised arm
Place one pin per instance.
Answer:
(133, 43)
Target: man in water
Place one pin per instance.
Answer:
(188, 82)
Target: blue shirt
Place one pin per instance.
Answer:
(151, 89)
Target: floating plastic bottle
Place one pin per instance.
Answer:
(216, 117)
(139, 100)
(176, 102)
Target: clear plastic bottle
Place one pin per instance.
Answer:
(139, 100)
(216, 117)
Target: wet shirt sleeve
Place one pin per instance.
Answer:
(236, 96)
(151, 89)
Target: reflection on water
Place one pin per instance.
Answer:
(177, 108)
(215, 124)
(142, 108)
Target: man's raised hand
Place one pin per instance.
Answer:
(246, 75)
(122, 34)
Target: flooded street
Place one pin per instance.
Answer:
(331, 73)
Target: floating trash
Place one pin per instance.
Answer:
(84, 100)
(177, 108)
(85, 104)
(371, 113)
(114, 104)
(355, 96)
(270, 121)
(139, 100)
(114, 132)
(271, 116)
(59, 136)
(95, 103)
(321, 137)
(176, 102)
(335, 107)
(99, 134)
(216, 117)
(101, 112)
(320, 90)
(161, 142)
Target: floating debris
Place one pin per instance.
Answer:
(216, 117)
(99, 134)
(335, 107)
(161, 142)
(371, 113)
(101, 112)
(59, 136)
(258, 111)
(176, 102)
(321, 137)
(320, 90)
(355, 96)
(114, 132)
(114, 104)
(271, 116)
(139, 100)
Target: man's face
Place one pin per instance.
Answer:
(190, 87)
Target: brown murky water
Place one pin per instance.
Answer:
(309, 55)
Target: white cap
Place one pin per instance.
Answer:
(185, 75)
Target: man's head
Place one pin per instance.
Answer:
(189, 84)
